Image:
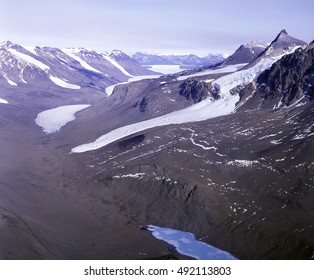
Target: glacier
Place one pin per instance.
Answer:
(52, 120)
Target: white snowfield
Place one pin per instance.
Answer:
(62, 83)
(186, 244)
(52, 120)
(109, 90)
(10, 82)
(164, 69)
(30, 49)
(3, 101)
(29, 59)
(204, 110)
(116, 64)
(84, 64)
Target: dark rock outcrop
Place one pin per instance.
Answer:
(195, 90)
(287, 81)
(290, 78)
(142, 104)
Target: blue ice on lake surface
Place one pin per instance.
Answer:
(186, 244)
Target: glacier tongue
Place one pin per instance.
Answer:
(242, 77)
(52, 120)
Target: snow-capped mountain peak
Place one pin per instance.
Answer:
(283, 32)
(117, 52)
(283, 43)
(118, 55)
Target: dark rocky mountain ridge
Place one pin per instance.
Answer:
(286, 82)
(282, 44)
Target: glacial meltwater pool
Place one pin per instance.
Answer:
(185, 243)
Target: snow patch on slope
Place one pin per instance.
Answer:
(117, 65)
(83, 63)
(29, 59)
(62, 83)
(52, 120)
(30, 49)
(3, 101)
(243, 163)
(10, 82)
(136, 176)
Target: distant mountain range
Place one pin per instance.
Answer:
(177, 59)
(68, 68)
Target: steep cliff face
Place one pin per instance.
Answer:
(288, 80)
(195, 90)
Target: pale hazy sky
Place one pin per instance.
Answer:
(197, 26)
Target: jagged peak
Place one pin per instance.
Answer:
(283, 32)
(7, 44)
(117, 52)
(281, 45)
(284, 41)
